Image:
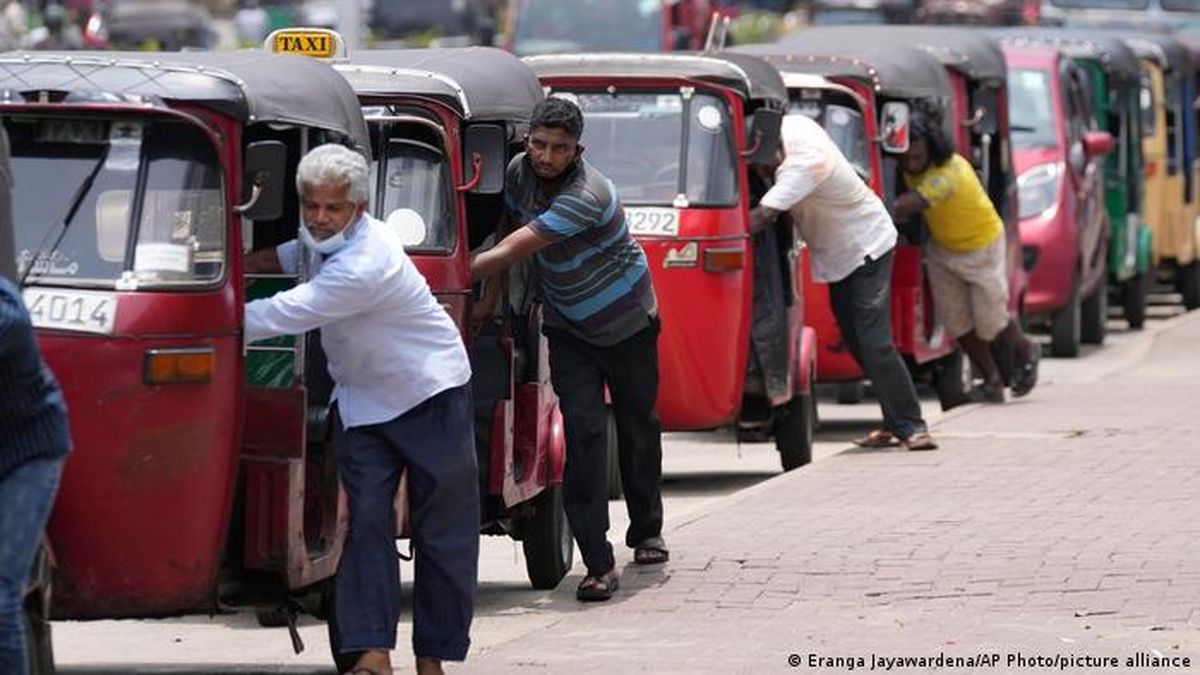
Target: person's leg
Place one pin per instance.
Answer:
(868, 308)
(435, 440)
(26, 497)
(579, 383)
(367, 585)
(986, 274)
(631, 370)
(980, 353)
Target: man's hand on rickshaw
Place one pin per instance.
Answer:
(262, 261)
(516, 246)
(761, 217)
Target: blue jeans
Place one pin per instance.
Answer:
(26, 496)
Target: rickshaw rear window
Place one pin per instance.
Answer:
(1030, 106)
(165, 171)
(636, 139)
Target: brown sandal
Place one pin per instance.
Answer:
(652, 551)
(598, 589)
(920, 441)
(880, 438)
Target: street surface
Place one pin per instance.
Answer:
(1060, 525)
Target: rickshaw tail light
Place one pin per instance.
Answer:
(170, 366)
(724, 259)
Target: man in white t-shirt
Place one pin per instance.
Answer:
(850, 239)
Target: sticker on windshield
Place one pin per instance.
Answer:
(668, 103)
(162, 258)
(652, 221)
(409, 224)
(709, 118)
(124, 146)
(72, 131)
(48, 264)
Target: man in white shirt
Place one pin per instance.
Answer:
(401, 375)
(850, 239)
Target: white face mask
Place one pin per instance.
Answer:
(326, 246)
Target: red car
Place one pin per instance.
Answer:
(1064, 225)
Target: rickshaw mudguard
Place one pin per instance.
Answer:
(146, 496)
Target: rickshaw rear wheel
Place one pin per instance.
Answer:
(549, 548)
(1133, 300)
(795, 430)
(616, 489)
(953, 379)
(1094, 314)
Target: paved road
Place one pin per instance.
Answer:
(1015, 535)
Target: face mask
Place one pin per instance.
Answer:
(326, 246)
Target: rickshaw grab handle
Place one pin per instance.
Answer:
(477, 173)
(256, 190)
(749, 152)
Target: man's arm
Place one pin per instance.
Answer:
(263, 261)
(761, 218)
(519, 245)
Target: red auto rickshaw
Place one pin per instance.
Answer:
(678, 134)
(859, 96)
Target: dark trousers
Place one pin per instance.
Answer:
(862, 304)
(579, 372)
(435, 442)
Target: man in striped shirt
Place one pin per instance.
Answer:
(601, 319)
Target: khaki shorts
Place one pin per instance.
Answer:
(970, 290)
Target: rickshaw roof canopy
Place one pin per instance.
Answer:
(894, 72)
(478, 83)
(753, 78)
(1169, 53)
(1109, 50)
(968, 51)
(252, 86)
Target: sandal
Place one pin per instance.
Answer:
(920, 441)
(984, 394)
(598, 589)
(652, 551)
(880, 438)
(1025, 379)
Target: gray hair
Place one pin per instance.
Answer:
(335, 165)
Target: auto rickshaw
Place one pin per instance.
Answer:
(1170, 171)
(1117, 90)
(852, 92)
(678, 135)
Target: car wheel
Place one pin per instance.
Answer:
(616, 489)
(1133, 299)
(795, 430)
(1065, 328)
(549, 549)
(1094, 314)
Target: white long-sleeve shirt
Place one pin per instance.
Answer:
(840, 219)
(389, 344)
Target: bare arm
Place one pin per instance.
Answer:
(908, 205)
(516, 246)
(263, 261)
(761, 217)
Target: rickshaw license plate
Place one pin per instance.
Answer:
(652, 221)
(72, 310)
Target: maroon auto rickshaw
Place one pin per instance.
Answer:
(679, 135)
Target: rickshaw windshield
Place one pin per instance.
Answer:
(1030, 105)
(845, 125)
(848, 16)
(411, 176)
(658, 147)
(556, 26)
(153, 217)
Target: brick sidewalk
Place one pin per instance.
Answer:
(1063, 524)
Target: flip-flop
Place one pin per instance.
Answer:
(598, 589)
(920, 441)
(652, 551)
(880, 438)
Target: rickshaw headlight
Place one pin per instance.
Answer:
(188, 365)
(1037, 189)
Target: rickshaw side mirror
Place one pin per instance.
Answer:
(763, 136)
(264, 174)
(894, 127)
(1098, 143)
(485, 159)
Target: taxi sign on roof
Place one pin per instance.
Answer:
(320, 43)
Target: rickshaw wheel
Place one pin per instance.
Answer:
(1133, 300)
(794, 432)
(549, 548)
(953, 378)
(615, 488)
(1095, 314)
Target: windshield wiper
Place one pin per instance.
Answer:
(73, 208)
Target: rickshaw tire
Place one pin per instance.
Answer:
(794, 432)
(39, 650)
(616, 489)
(952, 375)
(547, 542)
(1065, 327)
(271, 617)
(1133, 300)
(1094, 314)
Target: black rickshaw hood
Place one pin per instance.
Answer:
(967, 50)
(753, 78)
(1108, 49)
(892, 72)
(251, 86)
(478, 83)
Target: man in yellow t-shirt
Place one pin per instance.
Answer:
(965, 257)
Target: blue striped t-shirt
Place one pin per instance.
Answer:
(594, 279)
